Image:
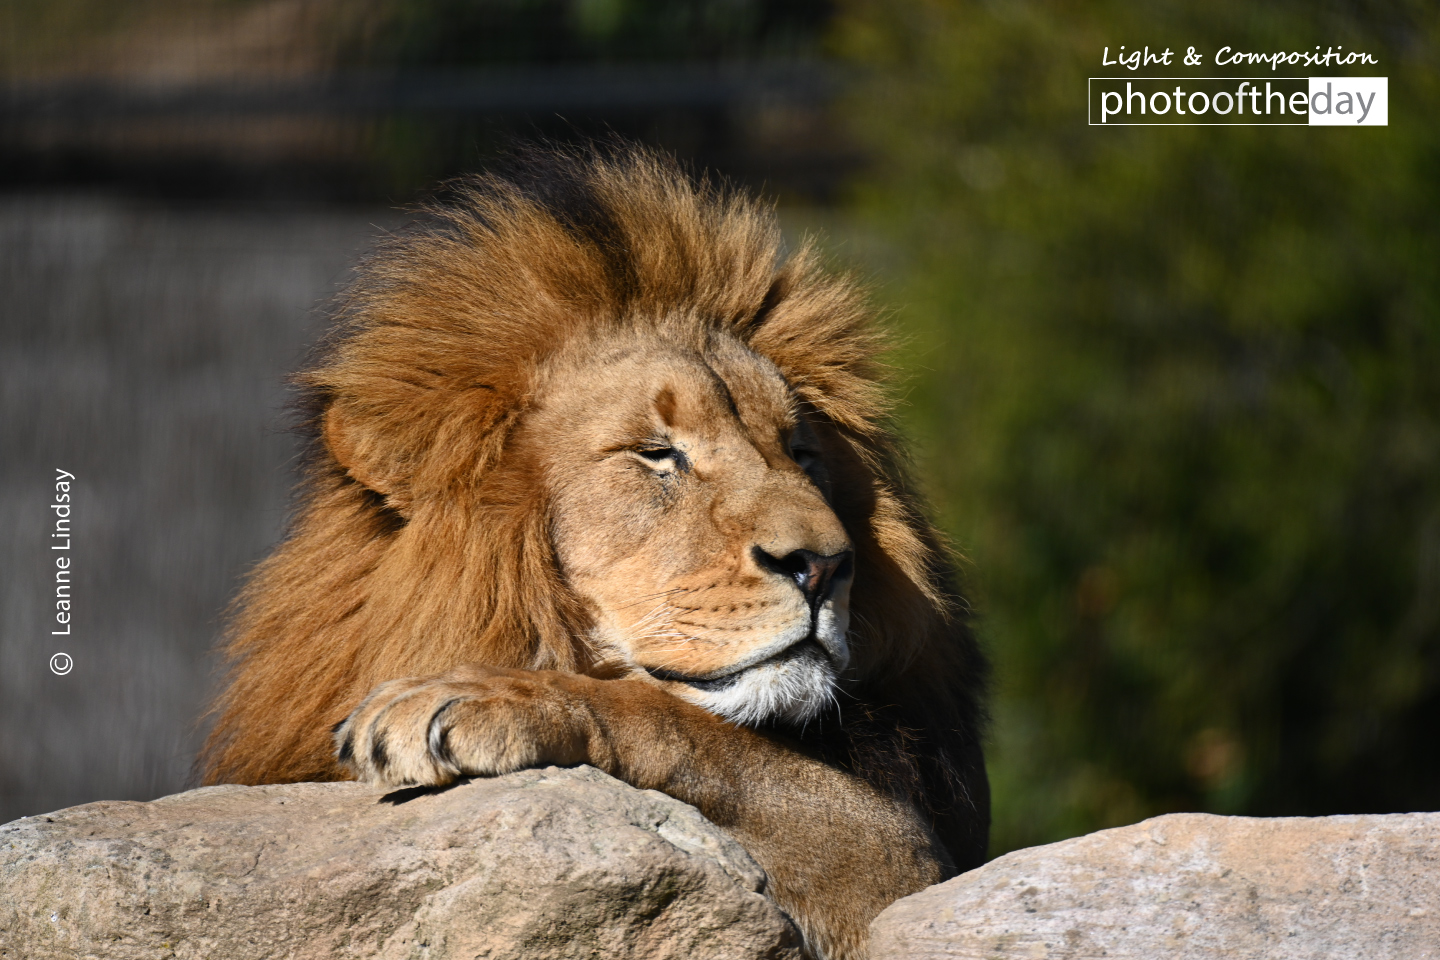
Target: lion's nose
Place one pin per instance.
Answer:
(816, 575)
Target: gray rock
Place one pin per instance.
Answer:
(1191, 886)
(540, 864)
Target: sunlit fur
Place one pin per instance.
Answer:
(425, 531)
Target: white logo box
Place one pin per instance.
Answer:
(1349, 101)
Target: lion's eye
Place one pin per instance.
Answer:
(662, 458)
(802, 455)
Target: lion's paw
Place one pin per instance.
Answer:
(475, 721)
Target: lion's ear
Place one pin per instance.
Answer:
(363, 455)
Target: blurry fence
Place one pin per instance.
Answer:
(369, 135)
(143, 348)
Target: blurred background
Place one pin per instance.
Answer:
(1174, 391)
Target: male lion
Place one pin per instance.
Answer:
(600, 477)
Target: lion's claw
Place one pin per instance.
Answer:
(474, 721)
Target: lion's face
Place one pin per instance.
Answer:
(689, 513)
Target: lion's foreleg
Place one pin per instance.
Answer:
(837, 851)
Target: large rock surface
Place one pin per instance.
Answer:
(540, 864)
(1190, 886)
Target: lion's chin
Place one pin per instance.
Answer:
(795, 687)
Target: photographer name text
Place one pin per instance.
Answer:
(62, 536)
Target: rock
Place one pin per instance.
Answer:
(540, 864)
(1190, 886)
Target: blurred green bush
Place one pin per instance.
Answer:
(1180, 402)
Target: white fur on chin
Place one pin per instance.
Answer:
(796, 688)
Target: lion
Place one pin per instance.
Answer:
(601, 475)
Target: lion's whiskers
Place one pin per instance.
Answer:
(651, 596)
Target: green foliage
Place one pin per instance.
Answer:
(1180, 404)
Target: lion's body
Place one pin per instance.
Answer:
(551, 444)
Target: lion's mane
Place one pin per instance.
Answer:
(412, 398)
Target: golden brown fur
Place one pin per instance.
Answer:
(452, 529)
